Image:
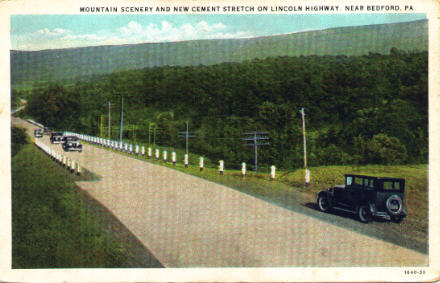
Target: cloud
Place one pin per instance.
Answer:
(132, 32)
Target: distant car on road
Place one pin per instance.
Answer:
(368, 197)
(71, 143)
(38, 133)
(56, 137)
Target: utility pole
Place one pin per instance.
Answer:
(303, 114)
(109, 123)
(100, 126)
(122, 119)
(307, 172)
(187, 135)
(186, 140)
(256, 137)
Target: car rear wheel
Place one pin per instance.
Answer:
(323, 203)
(364, 214)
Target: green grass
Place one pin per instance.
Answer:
(51, 226)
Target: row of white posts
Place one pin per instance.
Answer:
(128, 148)
(70, 164)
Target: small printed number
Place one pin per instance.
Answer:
(418, 272)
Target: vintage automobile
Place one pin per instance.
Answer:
(368, 197)
(38, 133)
(71, 143)
(56, 137)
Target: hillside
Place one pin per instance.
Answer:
(370, 109)
(56, 64)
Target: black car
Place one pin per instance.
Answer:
(56, 137)
(71, 143)
(368, 197)
(38, 133)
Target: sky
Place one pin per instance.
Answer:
(37, 32)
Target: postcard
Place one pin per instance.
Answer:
(190, 141)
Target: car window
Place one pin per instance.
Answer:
(391, 185)
(370, 183)
(358, 181)
(349, 181)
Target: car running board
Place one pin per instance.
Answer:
(344, 209)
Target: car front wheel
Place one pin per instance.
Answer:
(323, 203)
(364, 214)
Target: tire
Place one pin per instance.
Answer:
(323, 203)
(364, 214)
(394, 205)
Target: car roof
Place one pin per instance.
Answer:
(374, 177)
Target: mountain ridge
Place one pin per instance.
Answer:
(69, 63)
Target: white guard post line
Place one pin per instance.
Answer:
(185, 160)
(272, 172)
(201, 163)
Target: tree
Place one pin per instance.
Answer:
(382, 149)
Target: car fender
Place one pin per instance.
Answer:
(328, 195)
(372, 208)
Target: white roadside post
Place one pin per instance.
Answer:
(243, 169)
(307, 177)
(126, 147)
(173, 157)
(165, 155)
(272, 172)
(143, 151)
(64, 161)
(68, 164)
(201, 163)
(131, 149)
(78, 170)
(185, 160)
(72, 168)
(221, 167)
(157, 154)
(149, 152)
(137, 149)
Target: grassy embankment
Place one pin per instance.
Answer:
(288, 184)
(51, 226)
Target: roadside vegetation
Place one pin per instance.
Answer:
(370, 109)
(51, 227)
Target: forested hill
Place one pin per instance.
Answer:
(359, 109)
(28, 67)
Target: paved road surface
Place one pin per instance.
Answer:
(186, 221)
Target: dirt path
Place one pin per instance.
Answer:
(186, 221)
